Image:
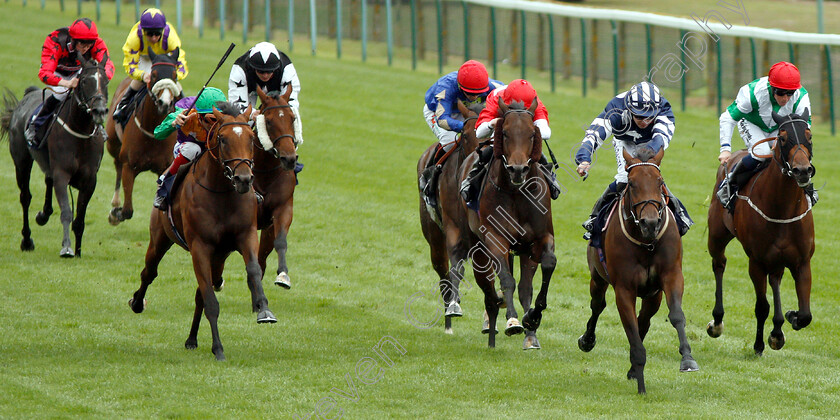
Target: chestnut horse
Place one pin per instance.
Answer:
(448, 241)
(211, 218)
(641, 259)
(134, 147)
(71, 157)
(773, 222)
(274, 178)
(514, 217)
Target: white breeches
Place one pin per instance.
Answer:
(445, 137)
(187, 149)
(752, 134)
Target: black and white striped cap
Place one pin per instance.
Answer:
(643, 100)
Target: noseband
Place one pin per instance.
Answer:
(659, 205)
(228, 170)
(282, 136)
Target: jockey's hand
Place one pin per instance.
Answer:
(69, 83)
(493, 122)
(583, 169)
(147, 77)
(724, 156)
(180, 119)
(254, 114)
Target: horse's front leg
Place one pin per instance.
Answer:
(483, 269)
(802, 278)
(202, 265)
(450, 284)
(114, 216)
(673, 288)
(719, 237)
(499, 253)
(128, 176)
(259, 303)
(777, 337)
(159, 243)
(85, 195)
(43, 216)
(544, 253)
(762, 307)
(597, 290)
(527, 268)
(62, 196)
(625, 300)
(192, 339)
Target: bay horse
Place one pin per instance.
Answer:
(274, 178)
(772, 219)
(642, 259)
(213, 214)
(514, 217)
(71, 157)
(134, 147)
(446, 232)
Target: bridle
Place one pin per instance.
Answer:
(228, 170)
(659, 205)
(78, 94)
(274, 141)
(504, 116)
(784, 164)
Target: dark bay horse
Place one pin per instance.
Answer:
(514, 217)
(71, 157)
(134, 148)
(640, 259)
(274, 178)
(213, 214)
(772, 219)
(448, 241)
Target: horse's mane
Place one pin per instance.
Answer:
(228, 108)
(275, 94)
(645, 154)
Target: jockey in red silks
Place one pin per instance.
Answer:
(522, 92)
(60, 65)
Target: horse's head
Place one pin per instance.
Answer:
(92, 92)
(164, 80)
(233, 142)
(794, 149)
(470, 117)
(644, 193)
(517, 140)
(276, 127)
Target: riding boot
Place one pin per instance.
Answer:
(812, 194)
(550, 178)
(428, 179)
(735, 177)
(469, 188)
(684, 221)
(164, 186)
(609, 195)
(38, 121)
(126, 99)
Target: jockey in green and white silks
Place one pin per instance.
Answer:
(780, 92)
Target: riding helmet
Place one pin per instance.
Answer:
(152, 19)
(784, 75)
(83, 29)
(473, 78)
(205, 103)
(643, 100)
(264, 57)
(519, 90)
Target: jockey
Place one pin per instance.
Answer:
(60, 65)
(517, 91)
(272, 70)
(470, 85)
(640, 117)
(190, 143)
(152, 31)
(780, 91)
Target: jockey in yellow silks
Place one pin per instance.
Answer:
(151, 31)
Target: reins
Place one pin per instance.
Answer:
(661, 207)
(215, 132)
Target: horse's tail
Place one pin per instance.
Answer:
(10, 102)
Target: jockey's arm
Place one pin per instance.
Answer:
(131, 54)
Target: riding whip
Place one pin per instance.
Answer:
(218, 66)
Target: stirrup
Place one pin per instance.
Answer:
(589, 224)
(160, 203)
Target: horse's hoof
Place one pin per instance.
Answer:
(713, 330)
(220, 357)
(266, 317)
(448, 331)
(66, 253)
(283, 280)
(776, 343)
(41, 218)
(114, 216)
(27, 244)
(220, 286)
(513, 327)
(485, 328)
(796, 321)
(453, 310)
(531, 343)
(532, 319)
(501, 297)
(191, 344)
(126, 214)
(689, 365)
(586, 345)
(136, 309)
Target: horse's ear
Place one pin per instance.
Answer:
(806, 114)
(503, 109)
(152, 54)
(536, 148)
(657, 159)
(81, 58)
(533, 107)
(628, 158)
(287, 95)
(463, 109)
(217, 114)
(262, 95)
(247, 112)
(776, 117)
(175, 53)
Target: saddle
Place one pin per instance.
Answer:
(596, 240)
